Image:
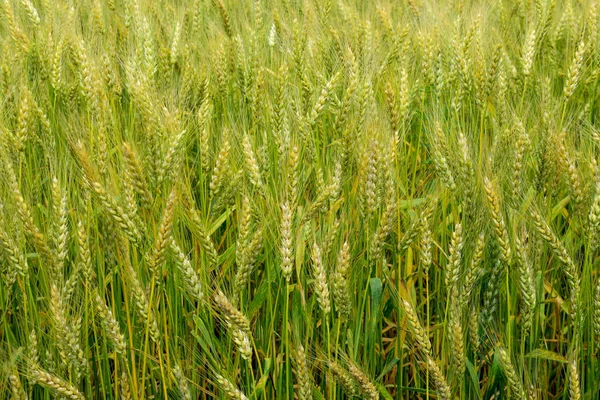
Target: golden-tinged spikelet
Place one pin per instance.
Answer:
(17, 262)
(303, 374)
(340, 283)
(85, 257)
(343, 377)
(393, 107)
(323, 98)
(171, 159)
(498, 220)
(23, 210)
(568, 166)
(32, 13)
(425, 251)
(199, 231)
(225, 17)
(389, 214)
(366, 387)
(574, 74)
(232, 315)
(19, 38)
(56, 384)
(439, 158)
(141, 303)
(60, 231)
(287, 261)
(175, 44)
(229, 388)
(24, 123)
(110, 324)
(474, 337)
(454, 262)
(135, 173)
(252, 168)
(444, 390)
(320, 275)
(410, 235)
(292, 174)
(68, 342)
(111, 206)
(249, 245)
(219, 174)
(351, 91)
(163, 238)
(456, 339)
(516, 385)
(529, 53)
(57, 67)
(181, 382)
(32, 350)
(370, 200)
(520, 148)
(597, 310)
(125, 386)
(419, 334)
(574, 383)
(569, 268)
(526, 283)
(16, 388)
(190, 277)
(474, 271)
(243, 343)
(204, 117)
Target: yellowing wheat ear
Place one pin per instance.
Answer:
(569, 267)
(303, 374)
(163, 238)
(286, 241)
(229, 388)
(17, 263)
(343, 377)
(16, 387)
(514, 380)
(56, 384)
(573, 75)
(498, 219)
(574, 383)
(110, 324)
(321, 286)
(340, 283)
(190, 277)
(367, 387)
(181, 382)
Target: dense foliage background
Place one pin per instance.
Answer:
(299, 199)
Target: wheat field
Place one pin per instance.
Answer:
(299, 199)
